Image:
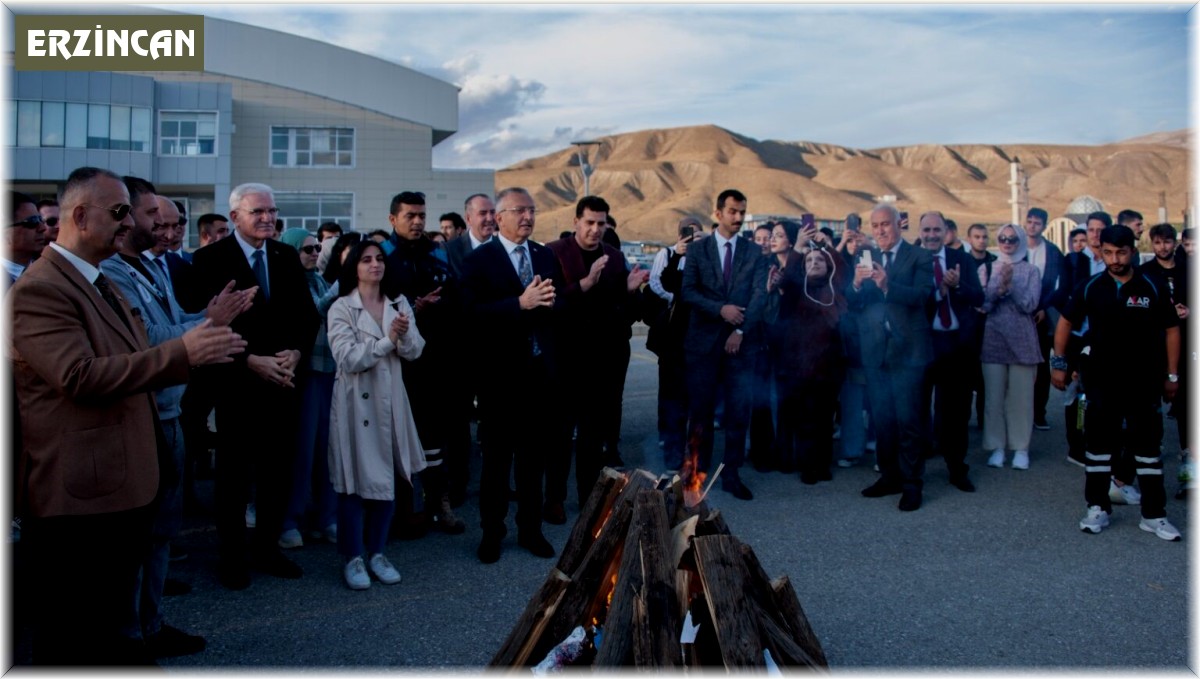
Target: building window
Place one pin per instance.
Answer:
(55, 124)
(310, 210)
(312, 146)
(187, 133)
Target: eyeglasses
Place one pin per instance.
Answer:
(52, 222)
(530, 210)
(1007, 240)
(31, 222)
(118, 213)
(310, 249)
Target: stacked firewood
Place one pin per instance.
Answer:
(651, 577)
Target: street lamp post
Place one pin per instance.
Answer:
(584, 167)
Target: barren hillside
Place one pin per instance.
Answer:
(654, 177)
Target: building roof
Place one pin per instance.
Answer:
(264, 55)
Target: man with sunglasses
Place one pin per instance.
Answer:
(24, 238)
(48, 207)
(89, 469)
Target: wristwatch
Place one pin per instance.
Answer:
(1172, 377)
(1058, 362)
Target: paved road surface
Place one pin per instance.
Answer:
(998, 579)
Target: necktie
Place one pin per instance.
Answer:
(727, 266)
(943, 307)
(887, 260)
(525, 273)
(524, 270)
(260, 272)
(107, 293)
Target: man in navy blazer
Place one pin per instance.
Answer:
(889, 296)
(510, 289)
(259, 407)
(481, 224)
(1050, 263)
(724, 284)
(950, 311)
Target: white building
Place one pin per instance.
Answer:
(335, 132)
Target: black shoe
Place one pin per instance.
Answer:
(910, 500)
(458, 498)
(808, 478)
(1077, 458)
(489, 546)
(961, 482)
(235, 578)
(173, 587)
(177, 554)
(736, 488)
(554, 513)
(1041, 425)
(882, 488)
(169, 642)
(274, 563)
(536, 543)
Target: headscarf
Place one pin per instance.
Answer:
(1022, 245)
(294, 237)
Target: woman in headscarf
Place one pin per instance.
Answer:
(1010, 352)
(804, 305)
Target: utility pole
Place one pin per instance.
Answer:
(1016, 183)
(584, 167)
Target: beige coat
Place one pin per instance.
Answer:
(372, 436)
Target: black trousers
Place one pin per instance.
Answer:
(1041, 384)
(804, 428)
(85, 570)
(946, 399)
(729, 376)
(1137, 407)
(614, 406)
(673, 405)
(516, 445)
(895, 397)
(256, 429)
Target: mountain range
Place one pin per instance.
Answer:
(652, 178)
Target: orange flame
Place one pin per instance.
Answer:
(691, 476)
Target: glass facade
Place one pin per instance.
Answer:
(312, 146)
(310, 210)
(187, 133)
(56, 124)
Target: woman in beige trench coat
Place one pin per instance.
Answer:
(373, 439)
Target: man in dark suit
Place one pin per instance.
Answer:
(1048, 260)
(259, 406)
(951, 313)
(24, 239)
(481, 224)
(724, 282)
(510, 286)
(89, 471)
(889, 296)
(601, 303)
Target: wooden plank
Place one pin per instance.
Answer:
(723, 574)
(617, 647)
(788, 604)
(784, 649)
(583, 533)
(516, 648)
(656, 638)
(589, 583)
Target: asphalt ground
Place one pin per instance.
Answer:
(998, 580)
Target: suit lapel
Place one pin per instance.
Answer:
(89, 291)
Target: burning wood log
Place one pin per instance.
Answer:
(641, 625)
(644, 552)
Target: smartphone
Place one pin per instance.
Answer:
(807, 221)
(687, 232)
(904, 221)
(865, 260)
(853, 222)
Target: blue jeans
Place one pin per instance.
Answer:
(362, 525)
(311, 471)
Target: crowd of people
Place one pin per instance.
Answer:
(342, 371)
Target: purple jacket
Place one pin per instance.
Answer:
(1009, 335)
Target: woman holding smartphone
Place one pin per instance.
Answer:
(374, 440)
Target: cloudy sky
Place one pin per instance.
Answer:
(535, 77)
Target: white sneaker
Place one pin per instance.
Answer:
(251, 516)
(290, 539)
(846, 462)
(1162, 528)
(1020, 459)
(1123, 495)
(383, 570)
(356, 574)
(1095, 521)
(997, 459)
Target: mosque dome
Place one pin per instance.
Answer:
(1084, 205)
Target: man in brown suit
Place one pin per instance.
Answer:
(89, 473)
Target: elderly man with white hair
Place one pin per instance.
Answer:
(259, 407)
